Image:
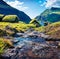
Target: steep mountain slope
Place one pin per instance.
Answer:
(50, 15)
(6, 10)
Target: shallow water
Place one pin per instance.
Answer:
(23, 40)
(32, 48)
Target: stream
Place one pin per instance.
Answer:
(32, 48)
(22, 40)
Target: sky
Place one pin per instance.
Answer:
(33, 8)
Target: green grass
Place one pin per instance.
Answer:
(18, 26)
(2, 46)
(4, 43)
(40, 29)
(52, 29)
(23, 27)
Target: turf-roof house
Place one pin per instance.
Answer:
(34, 21)
(10, 18)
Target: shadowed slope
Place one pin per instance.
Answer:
(6, 10)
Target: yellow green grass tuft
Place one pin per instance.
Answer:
(4, 43)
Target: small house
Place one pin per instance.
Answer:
(11, 18)
(34, 21)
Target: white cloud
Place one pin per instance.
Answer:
(51, 3)
(17, 4)
(43, 4)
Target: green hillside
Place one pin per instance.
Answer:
(52, 29)
(50, 15)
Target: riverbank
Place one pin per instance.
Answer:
(30, 42)
(32, 45)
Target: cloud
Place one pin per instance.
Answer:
(17, 4)
(43, 4)
(51, 3)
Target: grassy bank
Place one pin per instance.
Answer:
(52, 29)
(4, 43)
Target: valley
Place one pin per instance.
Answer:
(24, 38)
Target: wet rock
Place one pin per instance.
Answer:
(8, 54)
(19, 34)
(53, 44)
(33, 48)
(20, 46)
(32, 36)
(15, 41)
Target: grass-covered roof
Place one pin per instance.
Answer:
(11, 18)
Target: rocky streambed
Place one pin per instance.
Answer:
(32, 46)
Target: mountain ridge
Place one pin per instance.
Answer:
(47, 15)
(7, 10)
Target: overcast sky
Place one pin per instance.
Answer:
(33, 8)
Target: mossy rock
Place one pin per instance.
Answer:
(11, 18)
(1, 17)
